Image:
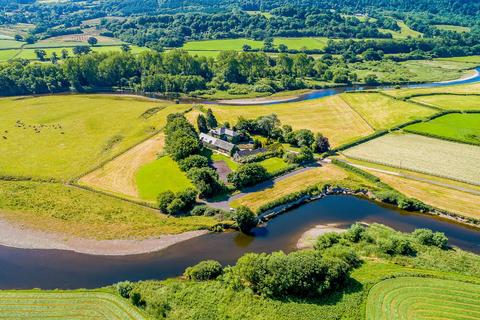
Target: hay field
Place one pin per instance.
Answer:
(436, 157)
(450, 27)
(330, 116)
(64, 136)
(79, 304)
(423, 298)
(472, 88)
(382, 112)
(72, 211)
(456, 127)
(451, 200)
(451, 102)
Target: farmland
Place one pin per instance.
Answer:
(449, 27)
(330, 116)
(423, 298)
(456, 127)
(93, 304)
(469, 59)
(383, 112)
(81, 128)
(159, 176)
(451, 102)
(72, 211)
(437, 157)
(472, 88)
(404, 32)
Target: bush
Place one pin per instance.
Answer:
(327, 240)
(169, 202)
(189, 198)
(246, 220)
(176, 206)
(124, 288)
(397, 245)
(248, 174)
(205, 270)
(355, 233)
(193, 161)
(164, 199)
(137, 300)
(206, 181)
(429, 238)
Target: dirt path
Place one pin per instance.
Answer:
(118, 175)
(17, 236)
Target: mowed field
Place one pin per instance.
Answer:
(471, 59)
(456, 127)
(72, 211)
(84, 129)
(237, 44)
(36, 304)
(404, 32)
(423, 298)
(382, 112)
(330, 116)
(456, 161)
(451, 102)
(472, 88)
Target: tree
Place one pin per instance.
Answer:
(268, 44)
(18, 37)
(211, 120)
(78, 50)
(205, 270)
(30, 39)
(54, 58)
(205, 181)
(245, 219)
(202, 123)
(41, 54)
(282, 47)
(125, 47)
(371, 79)
(193, 161)
(247, 175)
(164, 199)
(64, 54)
(246, 48)
(321, 143)
(176, 206)
(92, 41)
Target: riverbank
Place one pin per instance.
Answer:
(308, 238)
(18, 236)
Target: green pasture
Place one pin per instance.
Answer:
(449, 27)
(456, 127)
(405, 31)
(84, 129)
(469, 59)
(73, 211)
(159, 176)
(451, 102)
(80, 304)
(10, 44)
(423, 298)
(460, 89)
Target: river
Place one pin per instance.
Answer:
(47, 269)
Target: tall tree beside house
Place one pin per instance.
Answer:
(202, 123)
(211, 120)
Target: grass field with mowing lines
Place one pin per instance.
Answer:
(94, 304)
(423, 298)
(382, 112)
(159, 176)
(456, 161)
(451, 200)
(84, 129)
(77, 212)
(451, 102)
(449, 27)
(330, 116)
(472, 88)
(457, 127)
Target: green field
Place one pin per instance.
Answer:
(159, 176)
(84, 129)
(423, 298)
(10, 44)
(456, 127)
(382, 112)
(451, 102)
(215, 156)
(472, 88)
(273, 164)
(449, 27)
(470, 59)
(73, 211)
(456, 161)
(79, 304)
(404, 32)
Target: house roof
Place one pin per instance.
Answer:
(224, 131)
(219, 143)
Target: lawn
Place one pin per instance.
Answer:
(451, 200)
(78, 304)
(472, 88)
(215, 156)
(451, 102)
(456, 127)
(456, 161)
(159, 176)
(85, 130)
(273, 164)
(72, 211)
(423, 298)
(382, 112)
(330, 116)
(449, 27)
(322, 175)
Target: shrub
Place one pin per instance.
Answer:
(169, 202)
(193, 161)
(429, 238)
(205, 270)
(137, 300)
(164, 199)
(246, 220)
(355, 233)
(176, 206)
(327, 240)
(124, 288)
(397, 245)
(189, 197)
(247, 175)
